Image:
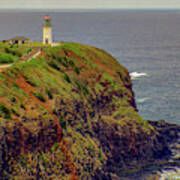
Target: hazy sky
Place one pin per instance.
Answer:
(89, 4)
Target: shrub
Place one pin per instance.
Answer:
(49, 93)
(13, 99)
(14, 51)
(31, 82)
(82, 87)
(29, 50)
(39, 96)
(54, 65)
(77, 70)
(5, 111)
(92, 114)
(22, 106)
(71, 63)
(55, 112)
(7, 58)
(66, 77)
(62, 122)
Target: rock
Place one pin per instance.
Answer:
(84, 122)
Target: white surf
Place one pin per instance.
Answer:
(142, 100)
(135, 75)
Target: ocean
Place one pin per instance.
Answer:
(147, 43)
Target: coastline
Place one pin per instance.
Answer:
(165, 166)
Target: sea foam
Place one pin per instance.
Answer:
(135, 75)
(142, 100)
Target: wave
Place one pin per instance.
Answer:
(170, 174)
(142, 100)
(135, 75)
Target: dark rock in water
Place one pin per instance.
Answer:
(167, 131)
(167, 134)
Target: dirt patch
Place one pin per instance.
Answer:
(28, 89)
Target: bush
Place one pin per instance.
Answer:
(7, 58)
(5, 111)
(29, 50)
(82, 88)
(31, 82)
(49, 93)
(14, 51)
(62, 122)
(66, 77)
(39, 96)
(77, 70)
(71, 63)
(54, 65)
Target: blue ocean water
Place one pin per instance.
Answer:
(143, 41)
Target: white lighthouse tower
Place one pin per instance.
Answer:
(47, 30)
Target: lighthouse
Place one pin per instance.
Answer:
(47, 30)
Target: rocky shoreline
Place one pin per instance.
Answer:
(166, 165)
(171, 134)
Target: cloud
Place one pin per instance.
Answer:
(61, 4)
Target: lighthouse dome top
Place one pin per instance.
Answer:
(47, 18)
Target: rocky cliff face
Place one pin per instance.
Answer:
(71, 114)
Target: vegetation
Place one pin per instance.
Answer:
(68, 114)
(10, 53)
(5, 111)
(39, 96)
(7, 58)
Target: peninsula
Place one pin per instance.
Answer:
(70, 113)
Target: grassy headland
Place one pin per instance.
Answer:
(71, 114)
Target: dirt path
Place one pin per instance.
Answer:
(6, 66)
(28, 89)
(35, 54)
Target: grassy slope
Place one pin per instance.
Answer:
(12, 53)
(15, 52)
(67, 114)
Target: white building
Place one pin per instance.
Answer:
(47, 31)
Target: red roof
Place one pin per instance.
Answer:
(47, 18)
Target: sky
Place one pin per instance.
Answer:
(89, 4)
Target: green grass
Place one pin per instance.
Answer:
(12, 53)
(6, 58)
(34, 44)
(76, 48)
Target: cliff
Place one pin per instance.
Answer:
(71, 114)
